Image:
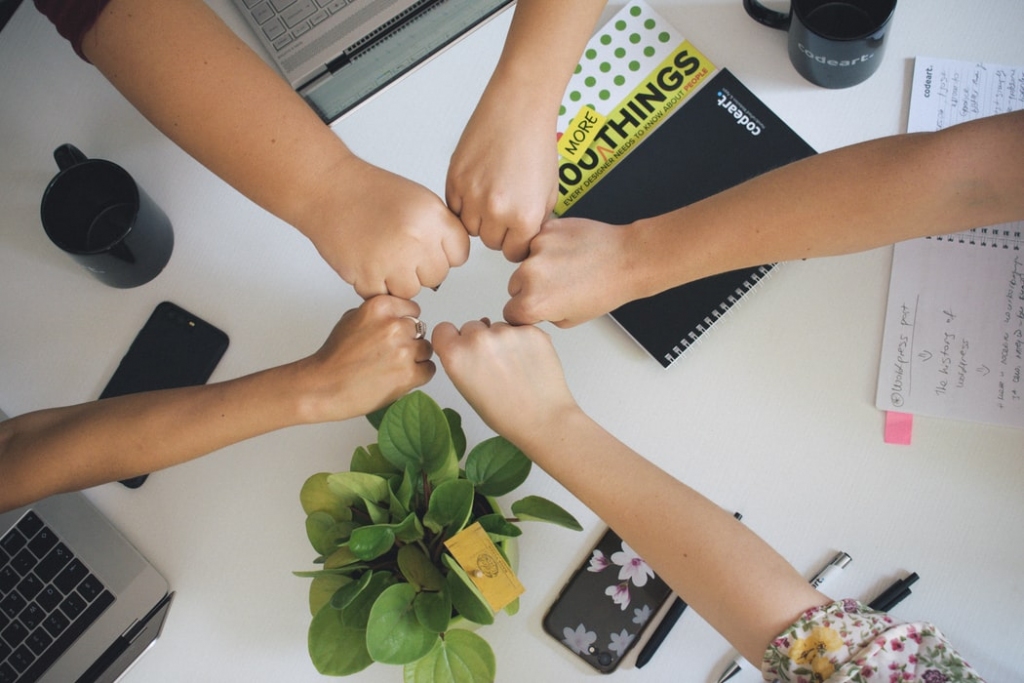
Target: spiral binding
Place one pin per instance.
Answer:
(999, 237)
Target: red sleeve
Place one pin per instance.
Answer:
(72, 18)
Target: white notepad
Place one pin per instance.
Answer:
(954, 330)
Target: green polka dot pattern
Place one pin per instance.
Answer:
(620, 53)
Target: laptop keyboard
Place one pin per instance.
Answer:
(48, 598)
(283, 21)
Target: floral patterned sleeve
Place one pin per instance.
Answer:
(847, 642)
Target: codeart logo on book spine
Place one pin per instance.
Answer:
(739, 112)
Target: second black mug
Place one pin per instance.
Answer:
(832, 43)
(96, 213)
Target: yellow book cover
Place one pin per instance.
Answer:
(634, 70)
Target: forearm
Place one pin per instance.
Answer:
(75, 447)
(185, 71)
(732, 578)
(543, 46)
(370, 359)
(844, 201)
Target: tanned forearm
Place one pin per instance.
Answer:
(370, 359)
(66, 449)
(697, 547)
(197, 82)
(844, 201)
(546, 39)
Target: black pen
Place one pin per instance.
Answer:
(894, 594)
(661, 631)
(658, 637)
(835, 564)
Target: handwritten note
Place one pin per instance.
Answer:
(954, 331)
(946, 92)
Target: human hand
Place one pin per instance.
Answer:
(577, 270)
(511, 377)
(504, 185)
(385, 234)
(371, 358)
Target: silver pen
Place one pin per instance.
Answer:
(835, 565)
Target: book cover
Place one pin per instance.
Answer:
(634, 71)
(721, 136)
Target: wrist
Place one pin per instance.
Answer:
(645, 261)
(663, 254)
(290, 393)
(526, 87)
(318, 209)
(550, 433)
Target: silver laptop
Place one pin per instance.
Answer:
(77, 600)
(337, 53)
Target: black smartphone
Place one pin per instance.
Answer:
(173, 349)
(603, 610)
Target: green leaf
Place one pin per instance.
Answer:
(461, 657)
(449, 472)
(341, 557)
(325, 534)
(433, 610)
(458, 435)
(316, 496)
(370, 488)
(356, 612)
(322, 588)
(343, 597)
(409, 530)
(393, 634)
(377, 416)
(334, 648)
(496, 467)
(318, 529)
(312, 574)
(414, 435)
(497, 527)
(466, 597)
(450, 507)
(511, 608)
(401, 496)
(537, 509)
(379, 514)
(418, 570)
(369, 461)
(370, 542)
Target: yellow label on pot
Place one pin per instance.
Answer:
(473, 549)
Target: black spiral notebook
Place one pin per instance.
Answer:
(719, 137)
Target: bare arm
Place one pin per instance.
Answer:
(847, 200)
(513, 379)
(369, 360)
(184, 69)
(864, 196)
(502, 181)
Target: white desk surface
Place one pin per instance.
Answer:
(772, 415)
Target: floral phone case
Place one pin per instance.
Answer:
(604, 608)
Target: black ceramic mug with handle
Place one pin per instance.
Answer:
(832, 43)
(96, 213)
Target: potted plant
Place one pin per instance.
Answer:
(388, 589)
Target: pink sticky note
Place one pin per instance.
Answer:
(898, 427)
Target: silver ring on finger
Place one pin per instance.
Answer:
(421, 327)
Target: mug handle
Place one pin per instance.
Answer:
(67, 155)
(766, 16)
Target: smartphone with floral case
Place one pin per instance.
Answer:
(606, 605)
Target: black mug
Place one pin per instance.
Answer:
(832, 43)
(96, 213)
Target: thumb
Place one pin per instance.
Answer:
(445, 334)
